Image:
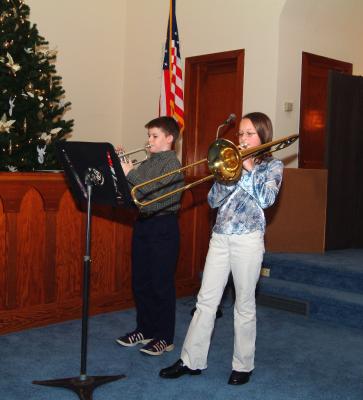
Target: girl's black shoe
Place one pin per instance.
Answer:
(178, 369)
(239, 378)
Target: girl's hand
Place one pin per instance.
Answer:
(248, 164)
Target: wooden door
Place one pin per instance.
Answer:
(213, 90)
(313, 107)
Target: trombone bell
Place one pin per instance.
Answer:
(224, 160)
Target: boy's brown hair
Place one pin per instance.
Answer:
(167, 124)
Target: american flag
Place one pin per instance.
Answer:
(171, 96)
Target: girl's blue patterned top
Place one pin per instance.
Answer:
(241, 203)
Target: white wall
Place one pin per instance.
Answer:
(205, 26)
(110, 54)
(90, 38)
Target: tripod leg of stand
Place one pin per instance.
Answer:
(83, 385)
(83, 388)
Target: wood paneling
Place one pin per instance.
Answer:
(42, 240)
(296, 222)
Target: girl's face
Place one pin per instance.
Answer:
(247, 135)
(158, 140)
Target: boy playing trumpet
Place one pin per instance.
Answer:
(155, 241)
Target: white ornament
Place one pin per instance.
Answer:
(5, 124)
(12, 105)
(47, 137)
(54, 131)
(12, 65)
(41, 153)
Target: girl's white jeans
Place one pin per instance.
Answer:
(242, 255)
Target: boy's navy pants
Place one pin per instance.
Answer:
(155, 248)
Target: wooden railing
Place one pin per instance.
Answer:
(42, 239)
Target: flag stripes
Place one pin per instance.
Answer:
(171, 96)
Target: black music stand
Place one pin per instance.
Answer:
(94, 173)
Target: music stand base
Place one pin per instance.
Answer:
(83, 387)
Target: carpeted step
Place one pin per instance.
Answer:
(336, 269)
(326, 304)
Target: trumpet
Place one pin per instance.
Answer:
(225, 162)
(124, 157)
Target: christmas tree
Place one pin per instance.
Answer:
(32, 101)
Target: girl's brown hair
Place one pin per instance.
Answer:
(263, 126)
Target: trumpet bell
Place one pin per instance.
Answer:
(224, 160)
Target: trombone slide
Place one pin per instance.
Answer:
(225, 161)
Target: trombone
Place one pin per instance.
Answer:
(124, 157)
(225, 161)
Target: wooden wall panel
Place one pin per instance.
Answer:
(30, 247)
(296, 222)
(123, 252)
(69, 249)
(2, 256)
(195, 228)
(42, 242)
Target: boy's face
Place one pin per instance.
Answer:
(159, 140)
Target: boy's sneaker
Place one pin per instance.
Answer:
(157, 347)
(132, 339)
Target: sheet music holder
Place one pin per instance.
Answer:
(101, 163)
(95, 175)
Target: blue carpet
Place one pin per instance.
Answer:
(296, 358)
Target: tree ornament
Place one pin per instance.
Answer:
(41, 153)
(11, 105)
(12, 65)
(29, 87)
(5, 124)
(47, 137)
(8, 43)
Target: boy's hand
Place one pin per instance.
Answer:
(127, 167)
(119, 150)
(126, 164)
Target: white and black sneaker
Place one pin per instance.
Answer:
(132, 339)
(157, 347)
